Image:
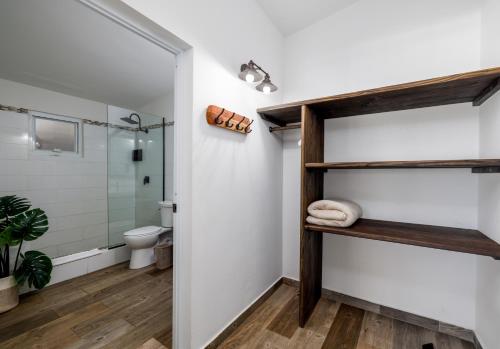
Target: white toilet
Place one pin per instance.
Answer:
(143, 240)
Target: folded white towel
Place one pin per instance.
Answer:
(335, 213)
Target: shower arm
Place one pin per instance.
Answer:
(140, 122)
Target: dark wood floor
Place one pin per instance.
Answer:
(121, 308)
(111, 308)
(274, 325)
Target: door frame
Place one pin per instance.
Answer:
(129, 18)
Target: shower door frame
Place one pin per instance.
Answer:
(129, 18)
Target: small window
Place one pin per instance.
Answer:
(55, 134)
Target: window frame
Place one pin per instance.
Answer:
(34, 115)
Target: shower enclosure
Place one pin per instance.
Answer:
(135, 171)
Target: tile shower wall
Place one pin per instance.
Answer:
(72, 191)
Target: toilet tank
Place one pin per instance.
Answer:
(166, 211)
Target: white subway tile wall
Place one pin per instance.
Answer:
(71, 190)
(81, 202)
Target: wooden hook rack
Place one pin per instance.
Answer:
(221, 117)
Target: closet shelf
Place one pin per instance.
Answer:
(438, 237)
(492, 164)
(475, 87)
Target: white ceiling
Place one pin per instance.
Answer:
(64, 46)
(293, 15)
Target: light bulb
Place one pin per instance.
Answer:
(250, 78)
(266, 89)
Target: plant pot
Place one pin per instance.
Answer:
(9, 295)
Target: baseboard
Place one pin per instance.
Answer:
(70, 267)
(431, 324)
(225, 333)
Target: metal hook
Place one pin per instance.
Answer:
(238, 126)
(246, 128)
(217, 118)
(227, 122)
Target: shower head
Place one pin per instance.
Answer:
(131, 121)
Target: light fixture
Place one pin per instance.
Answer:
(250, 73)
(266, 86)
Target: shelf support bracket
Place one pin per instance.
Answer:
(284, 128)
(273, 120)
(491, 169)
(488, 92)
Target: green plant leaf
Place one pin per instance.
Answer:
(5, 236)
(12, 205)
(28, 226)
(35, 268)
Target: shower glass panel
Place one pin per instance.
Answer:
(135, 171)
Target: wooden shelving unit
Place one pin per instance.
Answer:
(475, 87)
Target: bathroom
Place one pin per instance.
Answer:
(87, 136)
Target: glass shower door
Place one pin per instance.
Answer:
(135, 172)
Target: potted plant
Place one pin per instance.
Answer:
(19, 223)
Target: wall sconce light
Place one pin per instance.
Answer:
(250, 73)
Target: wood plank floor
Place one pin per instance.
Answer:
(274, 325)
(111, 308)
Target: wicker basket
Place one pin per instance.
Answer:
(164, 255)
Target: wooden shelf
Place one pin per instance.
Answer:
(474, 164)
(443, 238)
(475, 87)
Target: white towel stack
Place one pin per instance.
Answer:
(333, 213)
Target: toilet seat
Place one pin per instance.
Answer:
(144, 231)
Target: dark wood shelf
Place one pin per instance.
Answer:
(475, 87)
(443, 238)
(474, 164)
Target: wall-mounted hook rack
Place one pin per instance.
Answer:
(229, 120)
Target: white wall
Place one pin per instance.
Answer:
(488, 270)
(236, 193)
(367, 46)
(72, 191)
